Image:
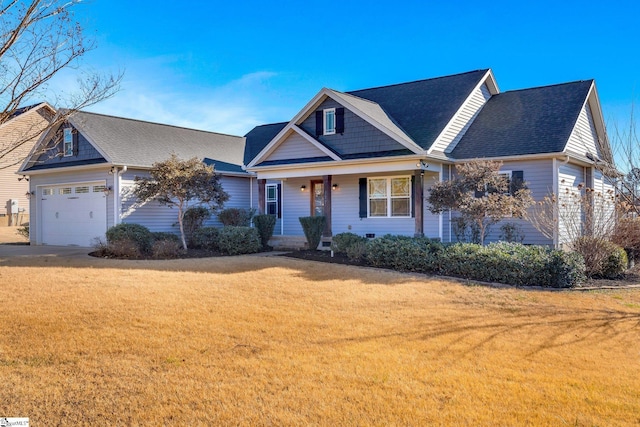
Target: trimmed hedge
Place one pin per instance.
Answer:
(511, 263)
(205, 238)
(236, 217)
(161, 235)
(265, 225)
(342, 242)
(239, 240)
(404, 253)
(312, 227)
(134, 233)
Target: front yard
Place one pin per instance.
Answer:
(275, 341)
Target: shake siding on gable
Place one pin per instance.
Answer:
(359, 135)
(295, 147)
(584, 138)
(85, 151)
(461, 122)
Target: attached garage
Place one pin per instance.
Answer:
(73, 214)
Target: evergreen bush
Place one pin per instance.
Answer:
(312, 227)
(265, 224)
(238, 240)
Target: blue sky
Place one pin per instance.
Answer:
(228, 66)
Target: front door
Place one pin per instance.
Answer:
(317, 198)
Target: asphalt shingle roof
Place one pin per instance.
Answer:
(259, 137)
(140, 144)
(423, 108)
(527, 121)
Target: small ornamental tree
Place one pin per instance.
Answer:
(481, 195)
(181, 184)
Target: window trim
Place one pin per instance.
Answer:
(325, 112)
(389, 197)
(67, 145)
(268, 200)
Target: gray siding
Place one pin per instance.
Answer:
(462, 120)
(570, 212)
(37, 181)
(584, 137)
(359, 136)
(54, 158)
(431, 221)
(295, 147)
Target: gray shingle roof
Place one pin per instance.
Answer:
(528, 121)
(140, 144)
(259, 137)
(423, 108)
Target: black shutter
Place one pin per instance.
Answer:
(413, 196)
(362, 182)
(319, 123)
(74, 139)
(517, 181)
(279, 199)
(339, 120)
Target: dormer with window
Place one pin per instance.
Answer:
(67, 142)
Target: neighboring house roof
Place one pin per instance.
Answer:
(138, 143)
(528, 121)
(423, 108)
(259, 137)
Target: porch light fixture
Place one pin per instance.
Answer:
(334, 187)
(107, 190)
(303, 187)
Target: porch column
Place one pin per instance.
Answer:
(262, 185)
(326, 183)
(418, 201)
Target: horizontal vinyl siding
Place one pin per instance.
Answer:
(37, 181)
(295, 147)
(12, 132)
(158, 217)
(584, 137)
(604, 209)
(431, 221)
(569, 177)
(295, 203)
(462, 120)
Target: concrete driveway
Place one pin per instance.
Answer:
(13, 245)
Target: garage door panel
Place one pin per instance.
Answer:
(73, 214)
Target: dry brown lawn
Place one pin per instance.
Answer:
(272, 341)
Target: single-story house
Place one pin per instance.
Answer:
(18, 134)
(81, 173)
(365, 159)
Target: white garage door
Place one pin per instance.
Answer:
(73, 214)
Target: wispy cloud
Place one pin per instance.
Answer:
(233, 107)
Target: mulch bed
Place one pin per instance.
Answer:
(324, 256)
(189, 253)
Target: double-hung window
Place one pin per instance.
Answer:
(389, 197)
(329, 121)
(271, 199)
(67, 142)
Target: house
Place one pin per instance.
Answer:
(18, 135)
(81, 173)
(366, 159)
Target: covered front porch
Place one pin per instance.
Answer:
(369, 202)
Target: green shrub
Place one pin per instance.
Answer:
(161, 235)
(238, 240)
(206, 238)
(236, 217)
(343, 241)
(193, 219)
(312, 227)
(404, 253)
(615, 264)
(602, 258)
(513, 263)
(166, 249)
(357, 251)
(265, 225)
(136, 233)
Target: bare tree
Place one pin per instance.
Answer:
(38, 40)
(481, 195)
